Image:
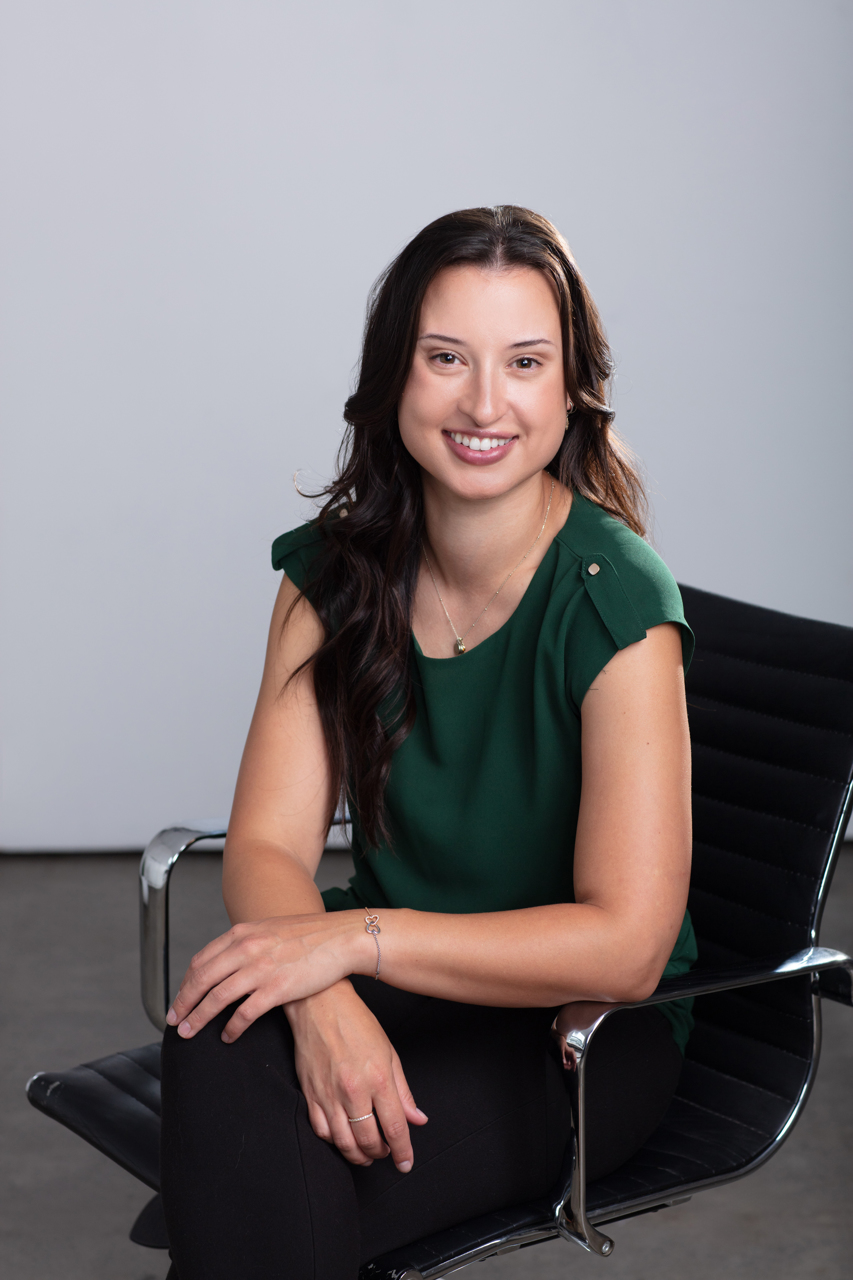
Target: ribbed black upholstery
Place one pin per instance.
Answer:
(770, 700)
(114, 1103)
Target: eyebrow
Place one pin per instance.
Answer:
(458, 342)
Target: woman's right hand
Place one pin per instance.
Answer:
(347, 1067)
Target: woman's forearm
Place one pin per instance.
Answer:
(534, 956)
(537, 956)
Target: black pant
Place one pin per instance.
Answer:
(250, 1191)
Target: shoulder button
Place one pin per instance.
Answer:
(593, 569)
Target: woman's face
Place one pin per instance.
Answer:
(484, 406)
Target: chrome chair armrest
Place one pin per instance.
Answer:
(750, 973)
(155, 871)
(576, 1024)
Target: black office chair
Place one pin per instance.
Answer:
(770, 699)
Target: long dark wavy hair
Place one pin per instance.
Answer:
(362, 582)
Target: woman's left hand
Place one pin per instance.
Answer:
(269, 963)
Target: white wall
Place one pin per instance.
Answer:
(198, 195)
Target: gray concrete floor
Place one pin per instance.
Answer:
(68, 959)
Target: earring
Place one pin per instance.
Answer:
(568, 420)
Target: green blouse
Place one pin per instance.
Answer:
(483, 795)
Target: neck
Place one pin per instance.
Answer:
(474, 542)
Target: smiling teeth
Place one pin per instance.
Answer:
(480, 444)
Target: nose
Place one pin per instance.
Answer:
(484, 397)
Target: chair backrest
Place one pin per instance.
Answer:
(770, 700)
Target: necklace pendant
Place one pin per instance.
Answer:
(459, 646)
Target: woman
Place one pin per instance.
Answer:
(473, 644)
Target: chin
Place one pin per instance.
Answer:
(481, 485)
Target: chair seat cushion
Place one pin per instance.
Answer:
(114, 1103)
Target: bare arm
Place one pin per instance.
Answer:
(277, 829)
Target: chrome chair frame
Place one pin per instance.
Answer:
(155, 872)
(573, 1029)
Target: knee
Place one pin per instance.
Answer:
(205, 1057)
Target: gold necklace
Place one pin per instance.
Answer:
(459, 645)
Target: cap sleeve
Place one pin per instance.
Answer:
(294, 552)
(627, 590)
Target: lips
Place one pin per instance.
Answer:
(481, 449)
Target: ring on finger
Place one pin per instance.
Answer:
(358, 1119)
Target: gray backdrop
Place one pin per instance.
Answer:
(198, 196)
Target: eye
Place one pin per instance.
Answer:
(526, 362)
(445, 358)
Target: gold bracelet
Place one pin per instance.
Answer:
(371, 926)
